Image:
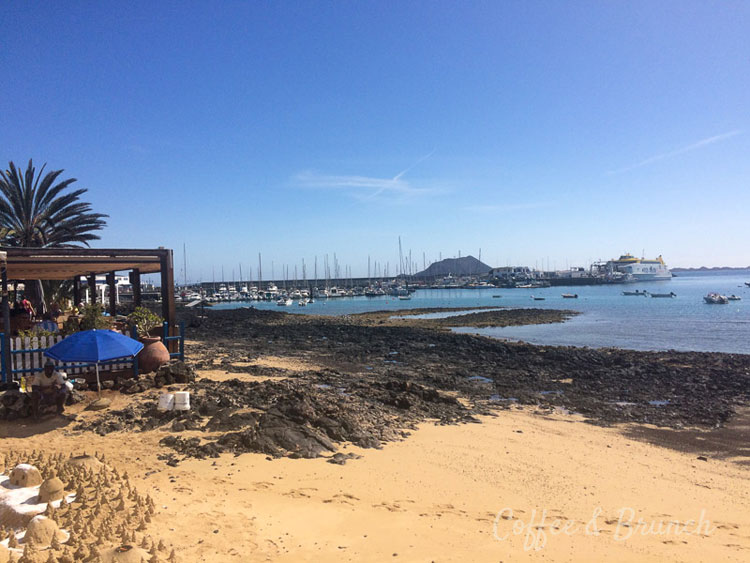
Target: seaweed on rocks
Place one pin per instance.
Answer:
(378, 382)
(608, 386)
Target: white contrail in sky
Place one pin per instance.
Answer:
(395, 185)
(683, 150)
(421, 159)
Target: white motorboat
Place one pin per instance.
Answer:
(716, 299)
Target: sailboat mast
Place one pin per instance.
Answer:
(400, 258)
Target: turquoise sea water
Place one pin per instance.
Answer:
(608, 318)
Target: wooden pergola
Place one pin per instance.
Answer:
(72, 263)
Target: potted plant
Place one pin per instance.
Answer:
(154, 353)
(92, 317)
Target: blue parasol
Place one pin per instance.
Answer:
(94, 346)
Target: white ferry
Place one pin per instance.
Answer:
(642, 269)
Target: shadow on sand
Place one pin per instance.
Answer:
(25, 427)
(731, 442)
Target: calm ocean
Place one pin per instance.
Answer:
(608, 318)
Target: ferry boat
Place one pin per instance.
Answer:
(642, 269)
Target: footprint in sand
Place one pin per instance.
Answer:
(390, 506)
(262, 485)
(300, 493)
(344, 498)
(448, 509)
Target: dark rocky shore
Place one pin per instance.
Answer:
(379, 378)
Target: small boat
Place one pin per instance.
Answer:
(636, 292)
(302, 302)
(570, 296)
(404, 297)
(496, 296)
(716, 299)
(667, 295)
(734, 297)
(284, 302)
(537, 298)
(747, 284)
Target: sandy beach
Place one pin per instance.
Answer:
(520, 483)
(437, 495)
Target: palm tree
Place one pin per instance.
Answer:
(34, 212)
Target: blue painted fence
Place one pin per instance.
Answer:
(27, 355)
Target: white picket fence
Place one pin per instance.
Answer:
(31, 360)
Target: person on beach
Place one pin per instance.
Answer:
(48, 386)
(29, 308)
(17, 308)
(47, 324)
(55, 311)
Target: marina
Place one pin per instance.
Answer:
(608, 317)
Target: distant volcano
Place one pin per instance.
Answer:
(464, 266)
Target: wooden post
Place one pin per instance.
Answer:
(92, 288)
(167, 293)
(112, 294)
(135, 281)
(76, 291)
(7, 362)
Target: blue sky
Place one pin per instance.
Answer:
(537, 131)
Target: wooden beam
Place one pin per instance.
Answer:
(167, 295)
(64, 263)
(111, 252)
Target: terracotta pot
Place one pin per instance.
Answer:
(153, 355)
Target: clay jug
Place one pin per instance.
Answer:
(153, 355)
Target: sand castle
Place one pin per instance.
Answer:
(25, 475)
(65, 510)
